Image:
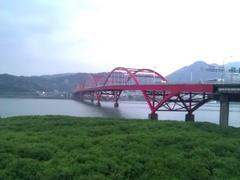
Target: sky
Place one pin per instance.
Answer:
(60, 36)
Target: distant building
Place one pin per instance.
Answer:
(215, 68)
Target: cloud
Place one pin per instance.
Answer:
(92, 35)
(166, 34)
(34, 33)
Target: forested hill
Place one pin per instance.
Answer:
(49, 83)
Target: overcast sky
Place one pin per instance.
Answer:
(59, 36)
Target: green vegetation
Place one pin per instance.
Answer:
(24, 86)
(60, 147)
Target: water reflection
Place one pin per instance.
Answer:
(131, 110)
(105, 111)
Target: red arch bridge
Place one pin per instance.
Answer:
(159, 94)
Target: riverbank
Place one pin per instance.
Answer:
(13, 96)
(55, 147)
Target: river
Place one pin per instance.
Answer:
(127, 109)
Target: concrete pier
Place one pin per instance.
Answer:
(153, 116)
(116, 104)
(189, 117)
(98, 104)
(224, 110)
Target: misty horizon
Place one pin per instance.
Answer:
(82, 72)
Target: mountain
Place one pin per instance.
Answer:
(35, 85)
(10, 83)
(200, 71)
(63, 82)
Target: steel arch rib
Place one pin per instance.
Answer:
(151, 106)
(149, 70)
(133, 76)
(123, 69)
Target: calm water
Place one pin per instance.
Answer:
(15, 107)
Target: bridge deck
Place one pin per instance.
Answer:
(208, 88)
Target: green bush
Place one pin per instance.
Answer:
(41, 153)
(26, 169)
(62, 147)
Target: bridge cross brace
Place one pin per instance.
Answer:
(108, 95)
(175, 101)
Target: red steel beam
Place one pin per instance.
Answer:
(208, 88)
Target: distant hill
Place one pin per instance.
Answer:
(10, 84)
(65, 82)
(200, 71)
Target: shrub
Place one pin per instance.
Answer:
(41, 153)
(26, 169)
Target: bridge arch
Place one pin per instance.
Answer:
(127, 70)
(133, 74)
(151, 71)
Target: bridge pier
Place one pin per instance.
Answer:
(224, 110)
(189, 117)
(98, 104)
(153, 116)
(92, 97)
(116, 105)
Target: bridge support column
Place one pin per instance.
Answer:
(92, 98)
(116, 104)
(224, 110)
(98, 104)
(189, 117)
(153, 116)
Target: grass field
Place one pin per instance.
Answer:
(60, 147)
